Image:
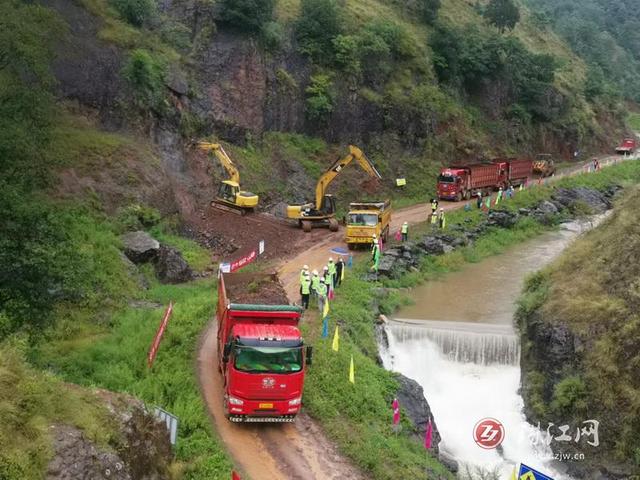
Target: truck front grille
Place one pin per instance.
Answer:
(242, 418)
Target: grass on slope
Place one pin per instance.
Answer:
(115, 359)
(30, 403)
(634, 121)
(593, 289)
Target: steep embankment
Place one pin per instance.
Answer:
(581, 345)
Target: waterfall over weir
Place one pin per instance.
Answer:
(466, 342)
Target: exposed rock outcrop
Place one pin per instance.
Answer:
(140, 247)
(171, 267)
(412, 401)
(140, 449)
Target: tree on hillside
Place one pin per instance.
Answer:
(429, 10)
(504, 14)
(247, 15)
(319, 24)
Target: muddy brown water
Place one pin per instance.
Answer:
(486, 291)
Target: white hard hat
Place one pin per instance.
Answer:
(326, 268)
(442, 209)
(306, 267)
(331, 259)
(406, 223)
(374, 235)
(315, 272)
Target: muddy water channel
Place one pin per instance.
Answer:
(458, 341)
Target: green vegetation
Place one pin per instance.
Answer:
(318, 25)
(30, 403)
(146, 72)
(319, 97)
(136, 12)
(114, 357)
(247, 15)
(604, 33)
(592, 291)
(503, 14)
(467, 57)
(634, 121)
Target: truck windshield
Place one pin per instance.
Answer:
(363, 219)
(446, 178)
(268, 359)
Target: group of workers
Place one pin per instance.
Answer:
(314, 285)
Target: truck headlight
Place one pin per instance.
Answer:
(295, 401)
(235, 401)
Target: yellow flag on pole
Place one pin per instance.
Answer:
(513, 474)
(342, 272)
(352, 371)
(325, 309)
(336, 340)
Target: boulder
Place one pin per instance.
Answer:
(171, 267)
(432, 245)
(545, 207)
(140, 247)
(571, 198)
(412, 401)
(502, 218)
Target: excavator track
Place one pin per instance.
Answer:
(227, 208)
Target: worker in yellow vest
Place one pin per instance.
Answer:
(332, 272)
(305, 290)
(404, 230)
(442, 221)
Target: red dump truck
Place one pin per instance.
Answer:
(628, 146)
(457, 183)
(261, 354)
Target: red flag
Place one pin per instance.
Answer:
(428, 435)
(235, 476)
(330, 295)
(396, 411)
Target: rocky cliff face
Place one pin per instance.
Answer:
(141, 451)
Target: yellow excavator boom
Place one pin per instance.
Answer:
(332, 172)
(225, 160)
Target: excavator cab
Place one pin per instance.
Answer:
(328, 206)
(228, 191)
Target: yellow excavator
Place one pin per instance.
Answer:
(323, 211)
(230, 197)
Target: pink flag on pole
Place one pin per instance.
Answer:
(330, 294)
(396, 411)
(428, 435)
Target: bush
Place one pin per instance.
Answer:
(319, 97)
(273, 36)
(504, 14)
(136, 216)
(319, 24)
(247, 15)
(145, 74)
(429, 10)
(374, 50)
(136, 12)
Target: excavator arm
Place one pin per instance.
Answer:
(225, 160)
(332, 172)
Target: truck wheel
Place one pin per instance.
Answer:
(458, 197)
(306, 225)
(333, 225)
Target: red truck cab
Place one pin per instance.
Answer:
(628, 145)
(261, 353)
(451, 183)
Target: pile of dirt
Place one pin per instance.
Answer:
(230, 236)
(252, 288)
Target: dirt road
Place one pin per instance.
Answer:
(292, 451)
